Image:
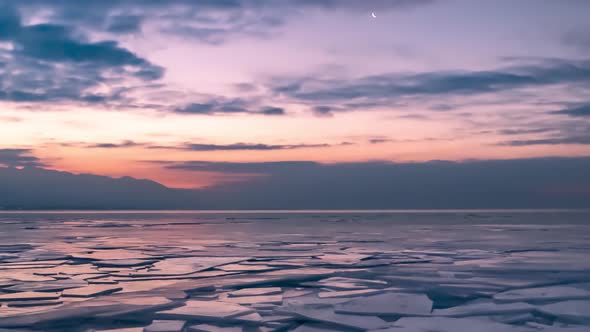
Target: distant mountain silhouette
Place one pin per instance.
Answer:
(38, 188)
(514, 183)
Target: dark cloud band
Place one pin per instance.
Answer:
(53, 62)
(386, 89)
(19, 158)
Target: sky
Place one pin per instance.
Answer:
(143, 88)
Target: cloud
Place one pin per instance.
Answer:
(227, 167)
(101, 7)
(576, 111)
(73, 57)
(524, 131)
(10, 119)
(578, 38)
(240, 147)
(380, 140)
(58, 63)
(550, 141)
(551, 133)
(125, 24)
(358, 5)
(208, 21)
(19, 158)
(124, 144)
(387, 89)
(56, 43)
(213, 107)
(273, 111)
(324, 111)
(218, 106)
(202, 147)
(216, 31)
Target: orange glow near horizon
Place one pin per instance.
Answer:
(135, 161)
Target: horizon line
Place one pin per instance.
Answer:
(166, 211)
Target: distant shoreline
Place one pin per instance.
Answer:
(361, 211)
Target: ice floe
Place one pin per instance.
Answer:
(165, 326)
(485, 308)
(91, 291)
(389, 304)
(213, 310)
(443, 324)
(29, 296)
(571, 311)
(329, 317)
(213, 328)
(256, 291)
(351, 293)
(553, 293)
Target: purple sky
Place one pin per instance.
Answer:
(108, 87)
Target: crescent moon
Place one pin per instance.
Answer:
(373, 14)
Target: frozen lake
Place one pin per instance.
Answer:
(443, 271)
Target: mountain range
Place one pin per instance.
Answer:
(513, 183)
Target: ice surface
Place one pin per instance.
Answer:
(571, 311)
(213, 328)
(124, 262)
(33, 303)
(328, 316)
(28, 296)
(515, 318)
(102, 281)
(69, 269)
(307, 327)
(569, 328)
(485, 308)
(348, 283)
(112, 254)
(47, 286)
(256, 291)
(389, 304)
(291, 293)
(248, 318)
(32, 265)
(245, 267)
(343, 259)
(165, 326)
(24, 275)
(214, 310)
(91, 291)
(443, 271)
(314, 300)
(277, 318)
(105, 307)
(7, 283)
(444, 324)
(276, 299)
(553, 293)
(187, 265)
(352, 293)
